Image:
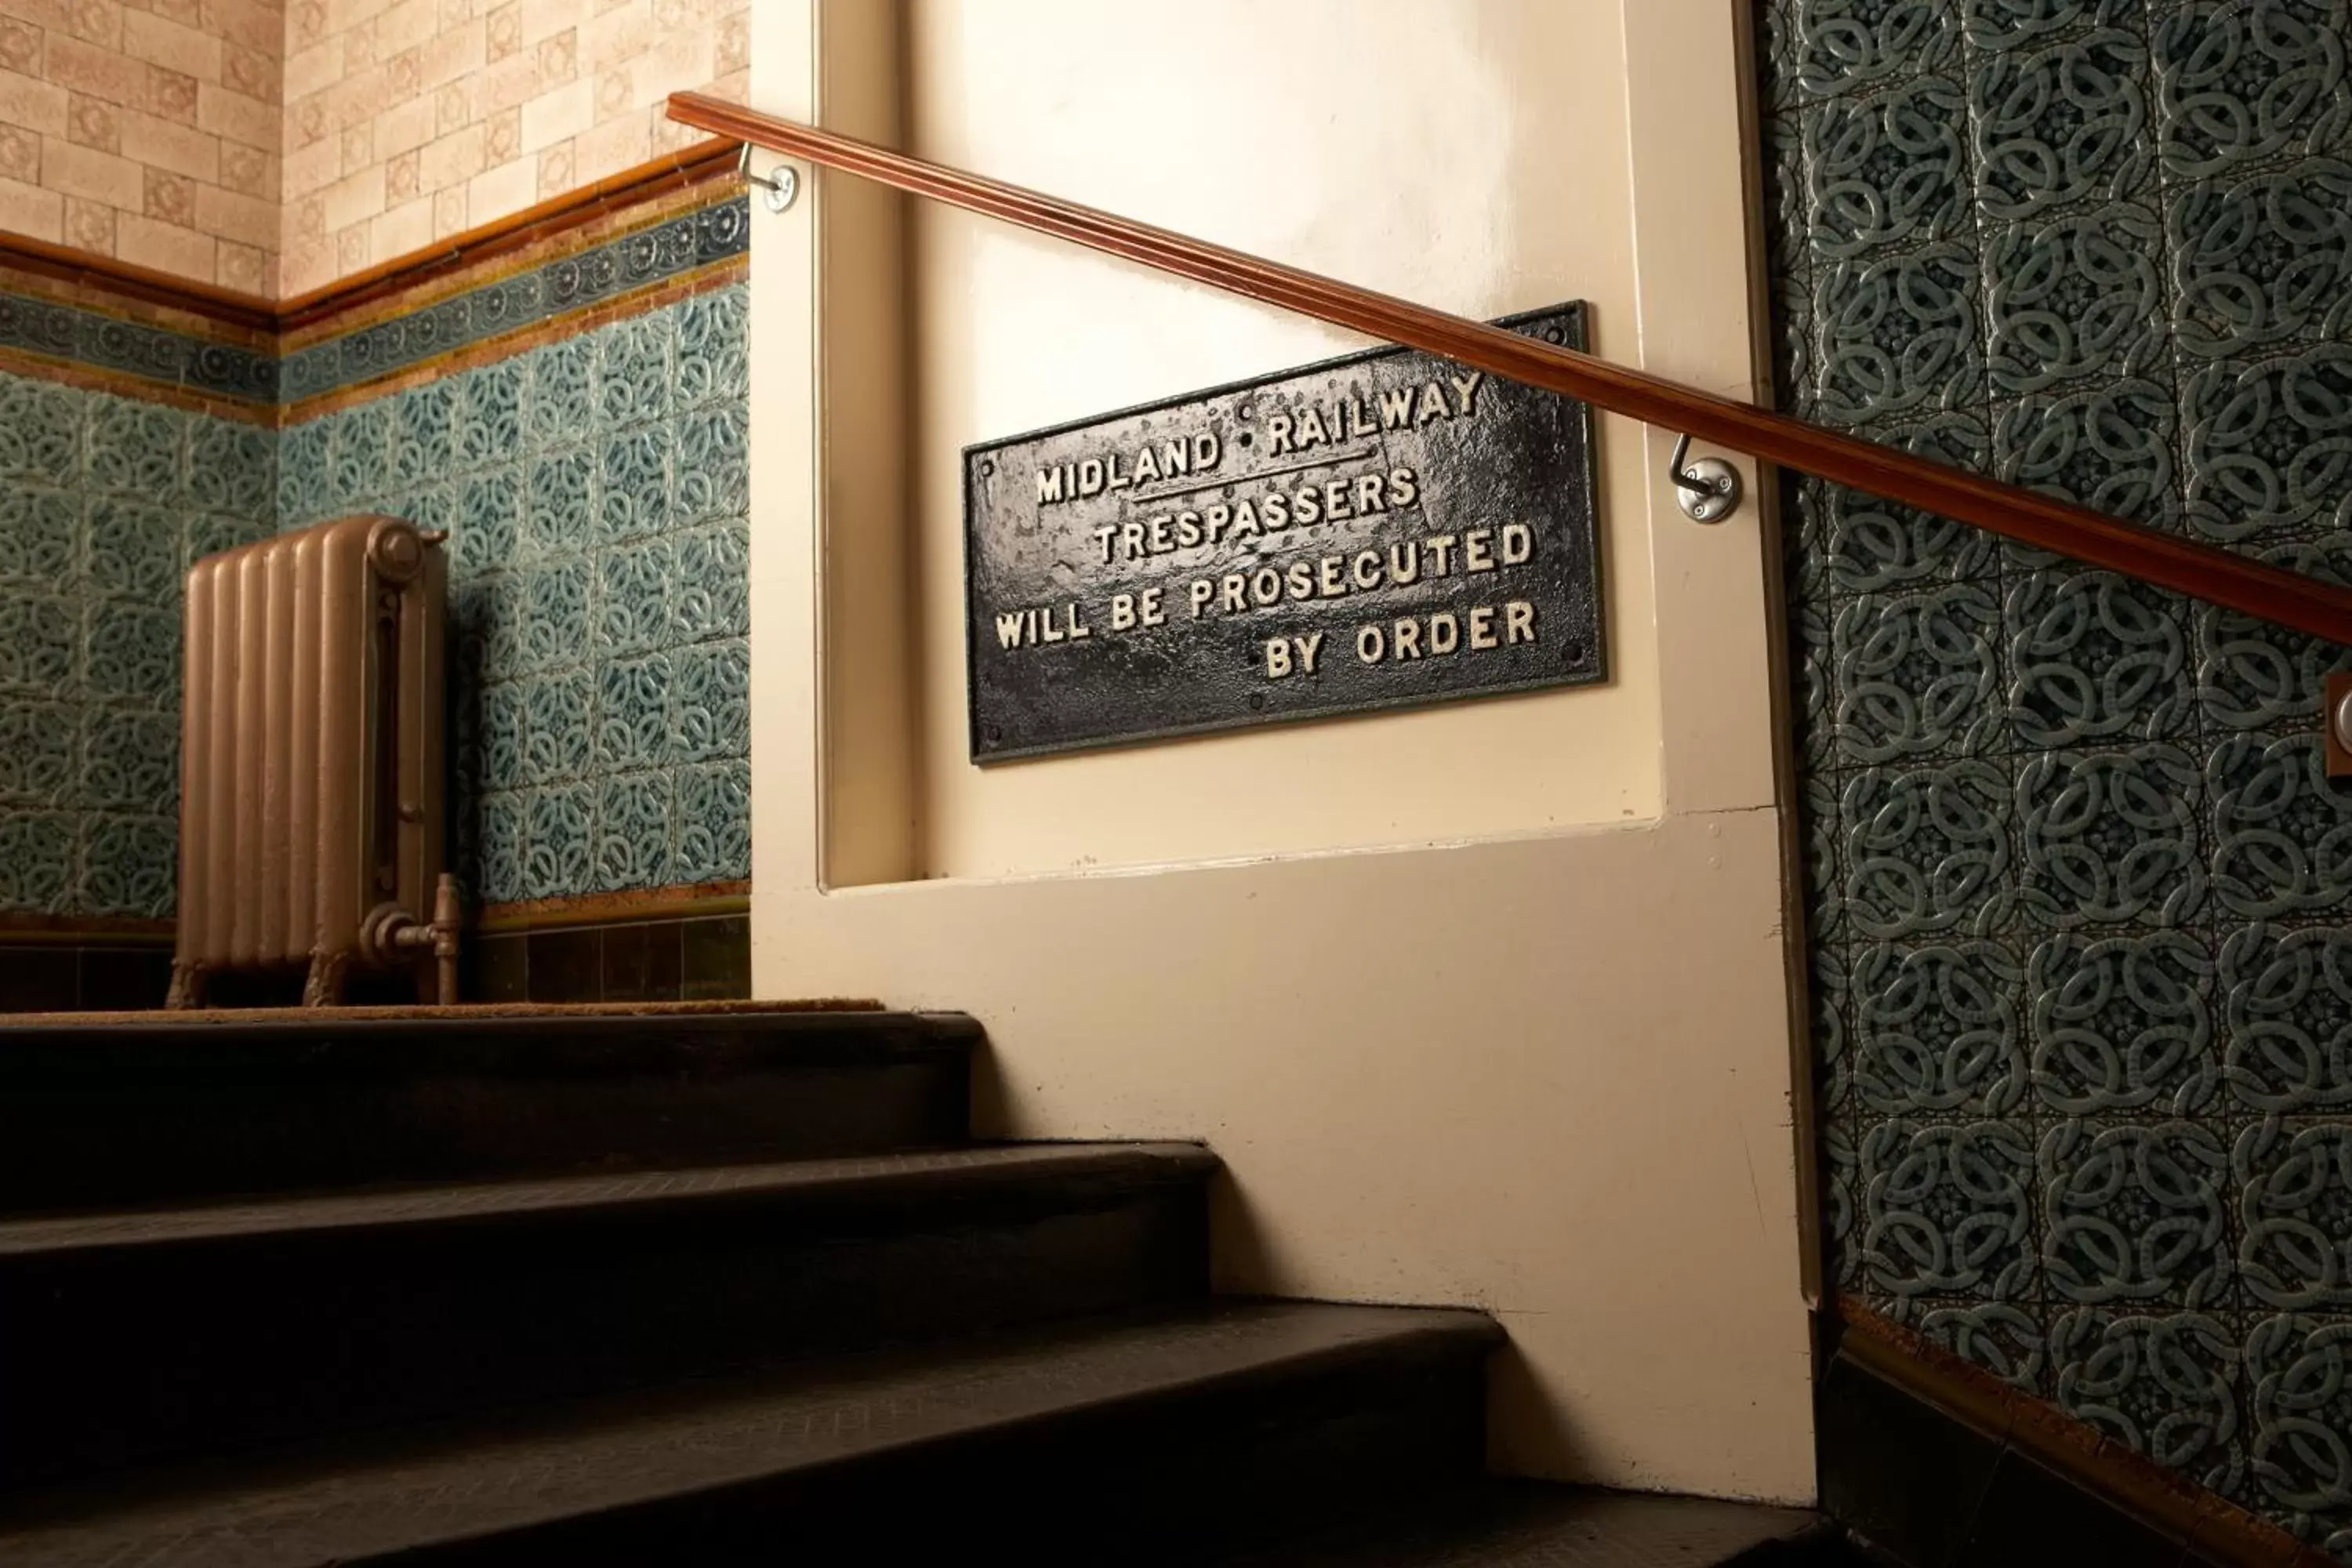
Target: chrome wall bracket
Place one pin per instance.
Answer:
(782, 187)
(1708, 490)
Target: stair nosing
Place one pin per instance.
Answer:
(602, 1192)
(921, 1390)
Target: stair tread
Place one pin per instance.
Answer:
(1535, 1524)
(466, 1482)
(446, 1202)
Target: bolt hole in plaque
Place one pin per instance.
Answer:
(1379, 531)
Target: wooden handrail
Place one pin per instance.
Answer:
(2201, 571)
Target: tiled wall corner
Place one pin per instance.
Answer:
(146, 130)
(104, 502)
(407, 123)
(2077, 885)
(596, 490)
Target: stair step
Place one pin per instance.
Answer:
(1134, 1441)
(141, 1336)
(1532, 1524)
(155, 1112)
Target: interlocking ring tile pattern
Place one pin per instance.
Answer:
(2078, 890)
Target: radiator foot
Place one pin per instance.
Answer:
(325, 986)
(187, 986)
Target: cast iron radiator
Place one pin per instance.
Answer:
(311, 773)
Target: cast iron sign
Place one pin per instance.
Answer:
(1371, 531)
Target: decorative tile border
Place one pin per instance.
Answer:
(630, 244)
(691, 243)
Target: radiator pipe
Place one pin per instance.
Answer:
(390, 933)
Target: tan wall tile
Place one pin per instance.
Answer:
(511, 81)
(405, 127)
(83, 67)
(558, 115)
(43, 16)
(167, 247)
(167, 145)
(98, 22)
(34, 104)
(509, 188)
(504, 36)
(234, 117)
(306, 23)
(401, 229)
(187, 13)
(450, 213)
(359, 146)
(452, 159)
(93, 175)
(253, 74)
(502, 138)
(543, 19)
(351, 253)
(32, 211)
(460, 52)
(613, 146)
(618, 35)
(353, 199)
(555, 171)
(150, 37)
(311, 169)
(313, 70)
(408, 26)
(248, 25)
(403, 180)
(248, 220)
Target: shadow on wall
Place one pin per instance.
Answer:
(2077, 882)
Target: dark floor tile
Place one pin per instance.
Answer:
(718, 957)
(124, 979)
(644, 962)
(1895, 1470)
(566, 966)
(2032, 1516)
(36, 979)
(497, 969)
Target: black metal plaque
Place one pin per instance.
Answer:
(1366, 532)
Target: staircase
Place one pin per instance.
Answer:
(702, 1286)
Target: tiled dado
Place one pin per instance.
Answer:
(2077, 885)
(573, 410)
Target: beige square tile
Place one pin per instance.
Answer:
(306, 122)
(261, 25)
(615, 93)
(304, 264)
(312, 70)
(405, 126)
(306, 23)
(452, 159)
(98, 22)
(404, 75)
(731, 44)
(172, 94)
(450, 212)
(351, 252)
(250, 171)
(254, 74)
(554, 171)
(94, 122)
(508, 82)
(402, 180)
(89, 226)
(313, 168)
(307, 220)
(20, 47)
(244, 268)
(20, 155)
(502, 138)
(453, 108)
(617, 37)
(455, 54)
(503, 35)
(170, 198)
(359, 146)
(408, 26)
(558, 57)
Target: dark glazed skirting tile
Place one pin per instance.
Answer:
(2031, 1517)
(124, 980)
(36, 979)
(566, 966)
(499, 969)
(644, 962)
(718, 954)
(1898, 1471)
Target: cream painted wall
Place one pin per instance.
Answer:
(1505, 1028)
(1422, 154)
